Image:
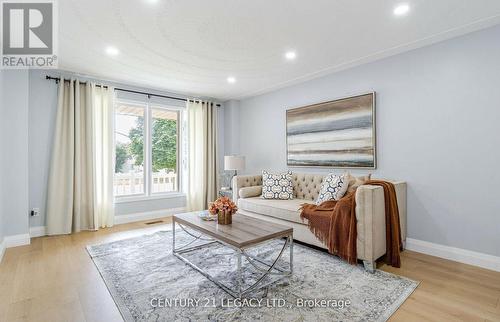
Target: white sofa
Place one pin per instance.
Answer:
(370, 211)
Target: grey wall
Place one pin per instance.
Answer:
(14, 151)
(231, 119)
(134, 207)
(438, 112)
(42, 111)
(2, 156)
(42, 114)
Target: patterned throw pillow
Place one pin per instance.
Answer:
(333, 188)
(277, 186)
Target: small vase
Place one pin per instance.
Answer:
(224, 217)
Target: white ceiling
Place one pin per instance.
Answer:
(192, 46)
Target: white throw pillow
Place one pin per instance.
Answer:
(355, 182)
(333, 187)
(277, 186)
(249, 192)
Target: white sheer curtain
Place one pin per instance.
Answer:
(103, 155)
(80, 195)
(202, 154)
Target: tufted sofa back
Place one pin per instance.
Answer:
(306, 186)
(249, 181)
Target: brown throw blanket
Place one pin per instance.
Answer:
(334, 223)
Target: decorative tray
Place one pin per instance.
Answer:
(205, 215)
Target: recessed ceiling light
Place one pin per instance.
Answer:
(290, 55)
(112, 51)
(231, 80)
(401, 9)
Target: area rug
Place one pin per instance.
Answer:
(148, 283)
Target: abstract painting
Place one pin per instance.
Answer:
(339, 133)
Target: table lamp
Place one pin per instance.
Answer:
(233, 163)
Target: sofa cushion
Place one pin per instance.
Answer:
(277, 186)
(281, 209)
(248, 192)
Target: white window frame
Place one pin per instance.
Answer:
(148, 151)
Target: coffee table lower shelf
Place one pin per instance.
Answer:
(239, 291)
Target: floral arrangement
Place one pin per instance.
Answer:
(221, 205)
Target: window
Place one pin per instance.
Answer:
(164, 146)
(146, 149)
(129, 150)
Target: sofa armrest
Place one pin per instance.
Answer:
(244, 181)
(370, 215)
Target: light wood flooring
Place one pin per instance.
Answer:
(54, 279)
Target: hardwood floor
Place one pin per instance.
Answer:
(54, 279)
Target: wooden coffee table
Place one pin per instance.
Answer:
(245, 232)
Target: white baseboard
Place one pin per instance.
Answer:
(455, 254)
(16, 240)
(13, 241)
(37, 231)
(2, 250)
(123, 219)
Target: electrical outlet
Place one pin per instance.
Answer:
(35, 212)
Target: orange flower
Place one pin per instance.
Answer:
(222, 204)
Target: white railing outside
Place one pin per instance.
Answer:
(133, 182)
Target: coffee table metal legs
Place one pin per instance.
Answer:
(173, 235)
(240, 274)
(239, 292)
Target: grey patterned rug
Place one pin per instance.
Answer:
(148, 283)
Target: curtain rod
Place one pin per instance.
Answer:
(57, 79)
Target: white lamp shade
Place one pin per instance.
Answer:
(234, 162)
